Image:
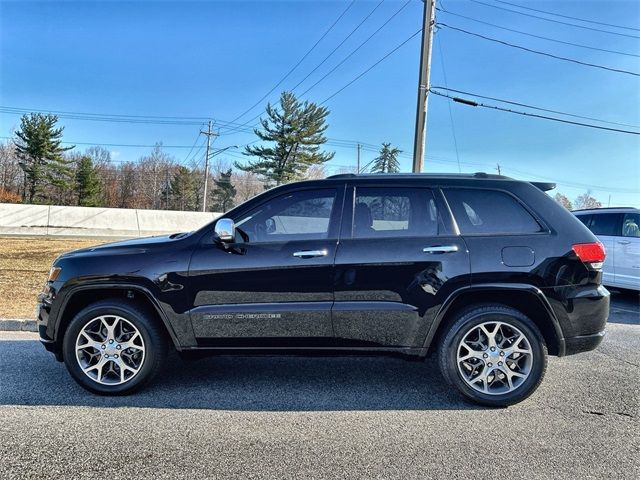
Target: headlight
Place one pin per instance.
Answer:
(53, 274)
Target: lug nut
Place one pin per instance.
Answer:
(115, 356)
(485, 355)
(106, 356)
(118, 347)
(502, 354)
(493, 349)
(490, 364)
(103, 347)
(111, 341)
(499, 363)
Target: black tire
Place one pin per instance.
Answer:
(153, 335)
(474, 316)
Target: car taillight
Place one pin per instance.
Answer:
(591, 253)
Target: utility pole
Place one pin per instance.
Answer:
(358, 167)
(498, 168)
(209, 134)
(423, 84)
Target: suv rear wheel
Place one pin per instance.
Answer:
(113, 348)
(495, 355)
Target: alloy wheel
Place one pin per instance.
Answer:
(110, 350)
(494, 358)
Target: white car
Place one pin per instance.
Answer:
(619, 230)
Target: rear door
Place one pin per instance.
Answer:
(397, 261)
(627, 252)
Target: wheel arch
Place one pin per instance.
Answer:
(528, 299)
(82, 296)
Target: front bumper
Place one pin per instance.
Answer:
(43, 310)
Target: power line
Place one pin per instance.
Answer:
(453, 128)
(557, 57)
(527, 114)
(115, 118)
(119, 144)
(297, 64)
(537, 36)
(537, 108)
(194, 145)
(567, 16)
(554, 21)
(344, 59)
(404, 5)
(339, 45)
(371, 67)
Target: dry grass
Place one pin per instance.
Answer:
(24, 264)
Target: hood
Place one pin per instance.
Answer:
(123, 247)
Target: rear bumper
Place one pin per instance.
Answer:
(583, 343)
(582, 314)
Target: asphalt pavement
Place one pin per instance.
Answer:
(279, 417)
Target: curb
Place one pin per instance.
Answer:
(18, 325)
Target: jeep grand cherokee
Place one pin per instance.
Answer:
(488, 273)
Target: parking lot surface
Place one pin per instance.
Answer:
(278, 417)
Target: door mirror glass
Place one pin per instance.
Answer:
(225, 230)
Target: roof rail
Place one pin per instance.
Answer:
(604, 208)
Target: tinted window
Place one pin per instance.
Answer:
(584, 219)
(489, 211)
(394, 212)
(301, 215)
(604, 223)
(631, 225)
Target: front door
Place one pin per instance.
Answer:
(397, 262)
(273, 286)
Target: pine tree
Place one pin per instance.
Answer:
(387, 160)
(223, 193)
(38, 146)
(183, 190)
(87, 183)
(297, 131)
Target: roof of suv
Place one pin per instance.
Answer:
(544, 186)
(585, 211)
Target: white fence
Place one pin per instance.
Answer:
(96, 222)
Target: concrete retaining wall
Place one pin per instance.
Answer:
(96, 222)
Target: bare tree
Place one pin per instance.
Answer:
(563, 200)
(247, 185)
(587, 201)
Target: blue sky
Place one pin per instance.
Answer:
(216, 59)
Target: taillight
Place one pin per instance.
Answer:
(592, 254)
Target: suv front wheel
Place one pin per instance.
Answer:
(113, 348)
(494, 354)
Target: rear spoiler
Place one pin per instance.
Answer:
(544, 186)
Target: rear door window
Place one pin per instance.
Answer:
(605, 224)
(394, 212)
(479, 211)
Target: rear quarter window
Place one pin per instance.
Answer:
(479, 211)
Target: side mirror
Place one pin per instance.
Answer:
(225, 230)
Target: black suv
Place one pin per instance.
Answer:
(488, 273)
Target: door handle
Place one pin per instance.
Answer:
(441, 249)
(624, 242)
(311, 253)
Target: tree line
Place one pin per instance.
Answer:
(36, 166)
